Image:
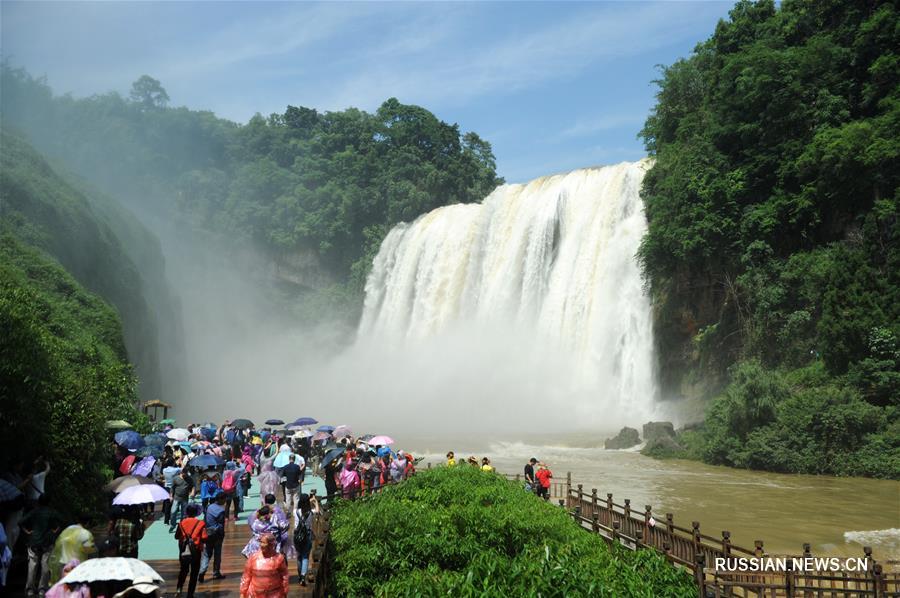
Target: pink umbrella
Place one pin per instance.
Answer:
(380, 441)
(139, 495)
(321, 436)
(342, 431)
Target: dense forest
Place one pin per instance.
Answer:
(772, 252)
(327, 184)
(64, 367)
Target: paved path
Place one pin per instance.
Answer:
(160, 550)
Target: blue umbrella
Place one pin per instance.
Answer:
(305, 421)
(325, 429)
(208, 433)
(155, 440)
(150, 451)
(129, 439)
(205, 461)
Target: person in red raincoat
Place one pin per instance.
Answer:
(266, 572)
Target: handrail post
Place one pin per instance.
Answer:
(609, 509)
(628, 516)
(670, 529)
(878, 581)
(726, 543)
(758, 548)
(615, 532)
(562, 503)
(806, 551)
(568, 484)
(647, 516)
(696, 536)
(595, 526)
(699, 574)
(789, 579)
(594, 501)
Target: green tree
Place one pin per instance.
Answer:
(148, 93)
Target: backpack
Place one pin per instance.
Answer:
(246, 480)
(230, 481)
(301, 534)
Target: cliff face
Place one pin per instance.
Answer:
(102, 246)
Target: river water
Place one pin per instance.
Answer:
(836, 516)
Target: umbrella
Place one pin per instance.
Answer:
(150, 451)
(8, 492)
(119, 484)
(325, 429)
(179, 434)
(305, 421)
(140, 495)
(117, 424)
(205, 461)
(155, 439)
(302, 434)
(381, 440)
(168, 421)
(283, 456)
(242, 424)
(144, 467)
(331, 456)
(321, 436)
(208, 433)
(342, 431)
(385, 450)
(274, 422)
(366, 437)
(110, 569)
(129, 439)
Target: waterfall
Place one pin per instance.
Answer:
(552, 260)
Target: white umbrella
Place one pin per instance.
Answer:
(302, 434)
(140, 495)
(179, 434)
(110, 569)
(342, 431)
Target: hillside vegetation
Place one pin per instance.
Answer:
(462, 532)
(772, 251)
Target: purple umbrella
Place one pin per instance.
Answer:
(144, 467)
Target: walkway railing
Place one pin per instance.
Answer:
(698, 552)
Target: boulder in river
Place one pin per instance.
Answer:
(654, 430)
(626, 438)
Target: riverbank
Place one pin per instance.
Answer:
(836, 516)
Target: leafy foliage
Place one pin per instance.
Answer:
(63, 373)
(332, 183)
(773, 238)
(462, 532)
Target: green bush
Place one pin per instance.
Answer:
(461, 532)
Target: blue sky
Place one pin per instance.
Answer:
(553, 86)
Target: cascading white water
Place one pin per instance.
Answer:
(553, 259)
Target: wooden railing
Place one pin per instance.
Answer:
(697, 552)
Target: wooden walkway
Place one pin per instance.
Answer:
(157, 541)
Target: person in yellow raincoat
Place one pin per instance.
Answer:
(74, 542)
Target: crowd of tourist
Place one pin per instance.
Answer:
(202, 475)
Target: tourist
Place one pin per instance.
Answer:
(543, 477)
(40, 527)
(128, 528)
(182, 490)
(76, 542)
(209, 487)
(35, 488)
(5, 557)
(19, 477)
(169, 471)
(268, 478)
(303, 535)
(230, 482)
(69, 590)
(266, 572)
(473, 461)
(451, 459)
(398, 467)
(349, 481)
(291, 474)
(486, 465)
(330, 472)
(192, 537)
(530, 484)
(215, 531)
(244, 484)
(266, 521)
